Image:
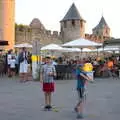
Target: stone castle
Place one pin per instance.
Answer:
(72, 27)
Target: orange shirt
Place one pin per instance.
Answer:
(110, 64)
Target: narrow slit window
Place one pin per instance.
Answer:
(65, 24)
(73, 22)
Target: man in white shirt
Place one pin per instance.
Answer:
(23, 65)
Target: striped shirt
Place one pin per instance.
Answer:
(46, 70)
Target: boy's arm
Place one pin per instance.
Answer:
(41, 74)
(86, 77)
(54, 71)
(41, 77)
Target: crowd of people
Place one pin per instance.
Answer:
(13, 63)
(102, 66)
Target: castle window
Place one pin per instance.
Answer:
(73, 22)
(106, 32)
(61, 29)
(97, 33)
(81, 24)
(65, 24)
(100, 37)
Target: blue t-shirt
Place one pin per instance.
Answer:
(80, 81)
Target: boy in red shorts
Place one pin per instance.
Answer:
(47, 78)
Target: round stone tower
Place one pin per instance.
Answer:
(7, 22)
(72, 25)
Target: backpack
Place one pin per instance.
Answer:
(20, 57)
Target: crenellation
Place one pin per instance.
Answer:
(55, 33)
(48, 32)
(30, 33)
(95, 38)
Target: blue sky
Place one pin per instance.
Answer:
(50, 12)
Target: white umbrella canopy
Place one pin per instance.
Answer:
(71, 50)
(26, 45)
(109, 48)
(86, 50)
(76, 50)
(82, 43)
(114, 47)
(52, 47)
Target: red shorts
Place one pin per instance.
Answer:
(48, 87)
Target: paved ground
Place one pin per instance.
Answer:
(24, 101)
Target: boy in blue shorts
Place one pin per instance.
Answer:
(82, 79)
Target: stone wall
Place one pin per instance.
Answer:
(26, 34)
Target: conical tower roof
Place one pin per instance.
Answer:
(101, 24)
(72, 14)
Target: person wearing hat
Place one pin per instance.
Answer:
(47, 78)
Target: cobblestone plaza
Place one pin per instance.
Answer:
(24, 101)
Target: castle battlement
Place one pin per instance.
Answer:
(96, 38)
(52, 33)
(24, 33)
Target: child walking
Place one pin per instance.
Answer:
(47, 78)
(82, 79)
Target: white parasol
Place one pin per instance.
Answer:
(82, 43)
(52, 47)
(76, 50)
(26, 45)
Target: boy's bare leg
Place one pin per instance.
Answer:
(80, 107)
(46, 99)
(49, 98)
(80, 110)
